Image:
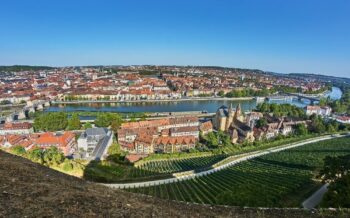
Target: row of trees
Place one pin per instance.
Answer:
(246, 93)
(81, 98)
(51, 157)
(282, 110)
(60, 121)
(263, 92)
(5, 102)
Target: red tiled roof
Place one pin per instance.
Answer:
(176, 140)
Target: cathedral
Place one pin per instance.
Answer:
(233, 122)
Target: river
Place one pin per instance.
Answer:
(175, 106)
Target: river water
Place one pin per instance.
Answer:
(195, 105)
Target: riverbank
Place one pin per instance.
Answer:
(160, 100)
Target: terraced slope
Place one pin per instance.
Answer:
(282, 179)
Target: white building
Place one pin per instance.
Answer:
(343, 119)
(94, 143)
(318, 110)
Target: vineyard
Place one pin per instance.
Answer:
(113, 172)
(165, 165)
(281, 179)
(173, 166)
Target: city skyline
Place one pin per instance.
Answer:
(271, 36)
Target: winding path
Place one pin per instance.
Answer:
(239, 159)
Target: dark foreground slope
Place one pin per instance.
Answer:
(29, 189)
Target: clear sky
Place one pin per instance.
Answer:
(306, 36)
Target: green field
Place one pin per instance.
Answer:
(108, 171)
(281, 179)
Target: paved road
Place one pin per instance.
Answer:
(101, 148)
(248, 156)
(315, 198)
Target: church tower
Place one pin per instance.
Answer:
(231, 114)
(238, 115)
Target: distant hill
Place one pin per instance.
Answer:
(17, 68)
(320, 77)
(28, 189)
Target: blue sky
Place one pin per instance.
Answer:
(306, 36)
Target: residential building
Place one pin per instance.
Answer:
(16, 128)
(166, 135)
(63, 141)
(343, 119)
(206, 127)
(318, 110)
(93, 143)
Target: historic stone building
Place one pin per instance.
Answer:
(232, 121)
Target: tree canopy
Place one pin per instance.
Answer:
(336, 172)
(106, 119)
(281, 110)
(51, 121)
(74, 122)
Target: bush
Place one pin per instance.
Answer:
(18, 150)
(67, 165)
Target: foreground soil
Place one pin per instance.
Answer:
(28, 189)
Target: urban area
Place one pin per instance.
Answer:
(144, 147)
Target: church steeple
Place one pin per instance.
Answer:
(238, 111)
(230, 110)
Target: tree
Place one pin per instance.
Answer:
(221, 93)
(317, 124)
(114, 149)
(106, 119)
(67, 165)
(74, 122)
(115, 125)
(36, 155)
(102, 120)
(261, 122)
(300, 129)
(4, 102)
(212, 140)
(336, 172)
(87, 125)
(53, 156)
(18, 150)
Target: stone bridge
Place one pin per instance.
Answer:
(23, 113)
